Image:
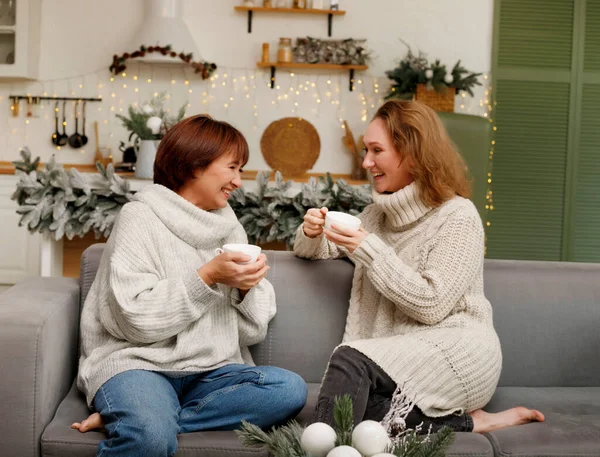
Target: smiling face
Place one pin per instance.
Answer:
(211, 187)
(390, 173)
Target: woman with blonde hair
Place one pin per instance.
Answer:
(418, 318)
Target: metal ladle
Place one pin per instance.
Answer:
(63, 137)
(75, 139)
(56, 135)
(84, 138)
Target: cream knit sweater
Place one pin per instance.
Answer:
(149, 310)
(417, 306)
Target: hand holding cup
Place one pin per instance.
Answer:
(314, 220)
(241, 266)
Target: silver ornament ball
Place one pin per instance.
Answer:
(370, 438)
(318, 439)
(344, 451)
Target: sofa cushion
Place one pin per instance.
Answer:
(546, 315)
(312, 304)
(59, 439)
(572, 426)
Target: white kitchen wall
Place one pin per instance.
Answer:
(79, 38)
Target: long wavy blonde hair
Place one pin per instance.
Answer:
(420, 137)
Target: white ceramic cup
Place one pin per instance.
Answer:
(250, 250)
(341, 219)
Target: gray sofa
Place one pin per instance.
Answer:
(547, 316)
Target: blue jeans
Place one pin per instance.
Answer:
(143, 411)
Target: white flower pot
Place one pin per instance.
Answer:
(146, 153)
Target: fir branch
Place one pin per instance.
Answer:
(343, 416)
(280, 442)
(252, 436)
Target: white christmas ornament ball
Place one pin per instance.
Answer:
(344, 451)
(147, 109)
(318, 439)
(448, 78)
(429, 73)
(154, 123)
(370, 438)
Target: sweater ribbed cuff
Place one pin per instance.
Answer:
(369, 249)
(256, 302)
(305, 246)
(200, 292)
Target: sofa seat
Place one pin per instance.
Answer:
(572, 426)
(60, 440)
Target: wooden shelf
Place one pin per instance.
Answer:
(250, 175)
(7, 168)
(261, 9)
(313, 66)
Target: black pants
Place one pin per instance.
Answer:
(371, 389)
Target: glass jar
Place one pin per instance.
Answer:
(300, 4)
(284, 51)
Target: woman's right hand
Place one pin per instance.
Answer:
(226, 269)
(314, 220)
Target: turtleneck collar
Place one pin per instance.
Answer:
(195, 226)
(403, 207)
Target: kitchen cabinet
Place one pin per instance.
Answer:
(19, 39)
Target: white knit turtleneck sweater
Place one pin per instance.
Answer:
(417, 306)
(149, 310)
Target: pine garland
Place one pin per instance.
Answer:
(285, 441)
(68, 203)
(272, 215)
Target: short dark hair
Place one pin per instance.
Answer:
(191, 145)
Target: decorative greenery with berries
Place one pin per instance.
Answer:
(119, 62)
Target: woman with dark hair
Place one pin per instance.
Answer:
(418, 318)
(166, 326)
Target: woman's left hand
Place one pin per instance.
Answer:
(345, 237)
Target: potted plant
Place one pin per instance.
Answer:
(148, 123)
(416, 78)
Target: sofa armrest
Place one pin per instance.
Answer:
(39, 327)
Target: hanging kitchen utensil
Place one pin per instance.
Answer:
(56, 135)
(63, 137)
(75, 138)
(84, 138)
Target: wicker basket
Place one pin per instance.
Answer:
(438, 101)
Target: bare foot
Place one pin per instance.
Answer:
(94, 421)
(486, 422)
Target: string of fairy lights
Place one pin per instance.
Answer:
(490, 105)
(228, 93)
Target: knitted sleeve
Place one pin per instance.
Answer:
(428, 295)
(142, 306)
(255, 312)
(317, 248)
